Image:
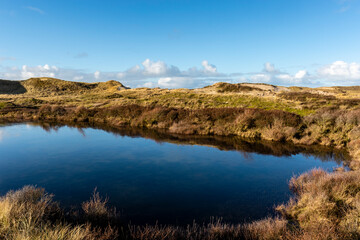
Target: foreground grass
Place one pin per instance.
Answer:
(30, 213)
(324, 206)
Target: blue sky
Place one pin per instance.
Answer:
(182, 43)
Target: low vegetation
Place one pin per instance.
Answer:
(324, 205)
(31, 213)
(326, 201)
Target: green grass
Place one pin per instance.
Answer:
(2, 105)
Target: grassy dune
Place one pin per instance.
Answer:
(324, 205)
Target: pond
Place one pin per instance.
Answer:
(151, 176)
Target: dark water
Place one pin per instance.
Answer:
(153, 176)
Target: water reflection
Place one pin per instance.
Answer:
(153, 175)
(227, 143)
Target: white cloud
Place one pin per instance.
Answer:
(284, 77)
(97, 74)
(154, 68)
(208, 67)
(269, 67)
(148, 69)
(271, 75)
(340, 71)
(78, 78)
(175, 82)
(149, 85)
(261, 77)
(25, 72)
(301, 74)
(39, 71)
(159, 74)
(35, 9)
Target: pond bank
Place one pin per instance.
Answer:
(335, 128)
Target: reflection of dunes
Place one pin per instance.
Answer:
(234, 143)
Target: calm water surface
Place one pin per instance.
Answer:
(150, 180)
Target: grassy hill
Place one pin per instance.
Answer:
(11, 87)
(53, 86)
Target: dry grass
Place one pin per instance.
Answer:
(266, 229)
(326, 200)
(96, 210)
(30, 213)
(227, 87)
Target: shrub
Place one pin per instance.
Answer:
(228, 87)
(304, 96)
(96, 210)
(326, 201)
(30, 213)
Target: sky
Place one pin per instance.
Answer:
(182, 43)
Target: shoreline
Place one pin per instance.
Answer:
(227, 143)
(324, 206)
(254, 124)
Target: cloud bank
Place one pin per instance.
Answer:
(159, 74)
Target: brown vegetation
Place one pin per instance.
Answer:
(30, 213)
(326, 201)
(227, 87)
(327, 126)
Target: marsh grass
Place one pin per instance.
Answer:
(96, 211)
